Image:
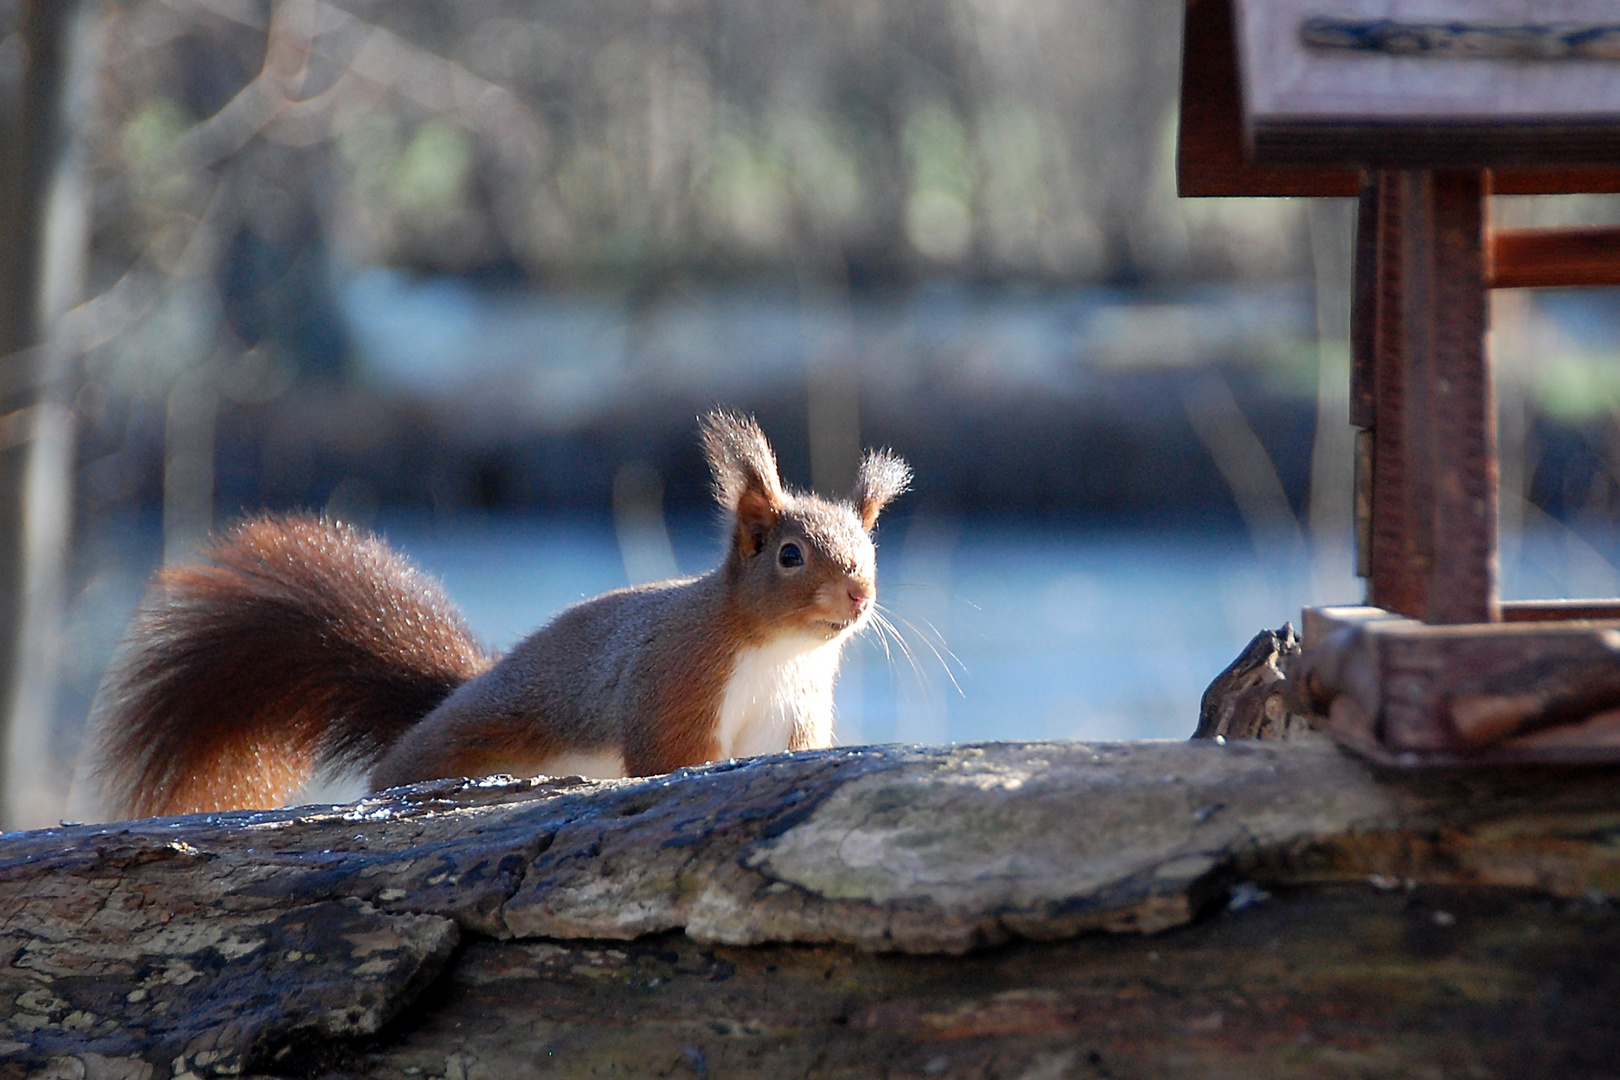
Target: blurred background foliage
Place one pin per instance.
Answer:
(573, 142)
(425, 262)
(780, 190)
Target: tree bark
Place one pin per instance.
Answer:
(1262, 908)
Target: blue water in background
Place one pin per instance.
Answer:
(1014, 631)
(1008, 632)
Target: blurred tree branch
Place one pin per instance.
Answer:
(45, 328)
(375, 61)
(43, 238)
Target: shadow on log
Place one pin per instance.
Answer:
(966, 911)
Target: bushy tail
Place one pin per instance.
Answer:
(295, 647)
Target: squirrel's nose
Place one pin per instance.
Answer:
(860, 598)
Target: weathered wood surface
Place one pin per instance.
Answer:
(1554, 258)
(1252, 698)
(1527, 690)
(1306, 104)
(1422, 387)
(1330, 982)
(545, 920)
(1212, 157)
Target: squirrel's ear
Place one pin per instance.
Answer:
(745, 479)
(883, 475)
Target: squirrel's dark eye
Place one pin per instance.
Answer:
(790, 555)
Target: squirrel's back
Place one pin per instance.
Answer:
(296, 647)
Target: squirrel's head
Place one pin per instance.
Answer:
(798, 561)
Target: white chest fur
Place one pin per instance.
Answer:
(775, 689)
(591, 764)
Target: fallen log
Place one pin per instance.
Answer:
(1007, 909)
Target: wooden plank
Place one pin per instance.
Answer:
(1397, 578)
(1450, 419)
(1210, 157)
(1361, 494)
(1554, 181)
(1321, 623)
(1462, 584)
(1408, 692)
(1308, 104)
(1516, 611)
(1552, 258)
(1458, 145)
(1364, 309)
(1433, 468)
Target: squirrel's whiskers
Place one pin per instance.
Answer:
(884, 619)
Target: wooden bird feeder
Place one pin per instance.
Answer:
(1421, 110)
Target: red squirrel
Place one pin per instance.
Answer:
(300, 647)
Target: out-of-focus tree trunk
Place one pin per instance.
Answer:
(43, 226)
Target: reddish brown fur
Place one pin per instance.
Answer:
(691, 683)
(304, 647)
(508, 743)
(643, 671)
(299, 645)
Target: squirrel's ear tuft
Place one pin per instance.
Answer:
(882, 476)
(745, 479)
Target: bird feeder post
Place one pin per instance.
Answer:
(1433, 532)
(1424, 119)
